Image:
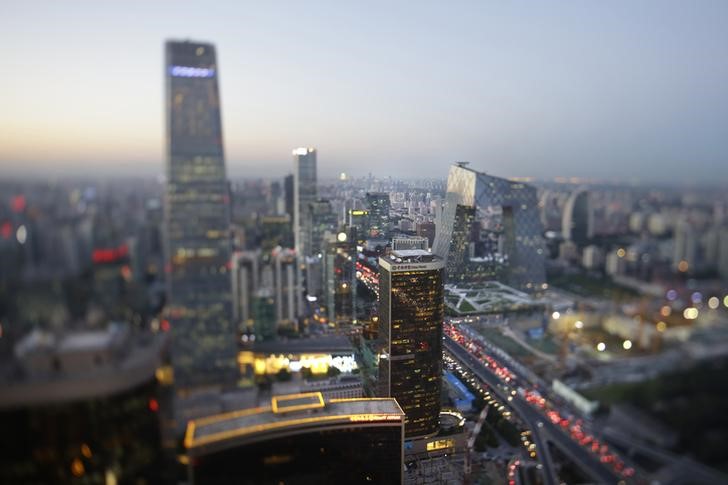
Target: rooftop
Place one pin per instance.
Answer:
(294, 413)
(335, 343)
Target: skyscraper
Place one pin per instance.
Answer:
(577, 222)
(197, 219)
(491, 220)
(411, 311)
(304, 193)
(379, 205)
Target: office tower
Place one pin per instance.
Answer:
(300, 438)
(197, 219)
(339, 277)
(245, 284)
(320, 218)
(288, 194)
(493, 221)
(411, 311)
(304, 193)
(577, 223)
(379, 206)
(426, 230)
(285, 286)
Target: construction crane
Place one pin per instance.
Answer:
(468, 467)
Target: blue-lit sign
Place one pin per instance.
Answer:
(185, 71)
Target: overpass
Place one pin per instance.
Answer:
(543, 430)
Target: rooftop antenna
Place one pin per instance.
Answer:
(462, 164)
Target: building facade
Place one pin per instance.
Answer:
(411, 313)
(300, 438)
(304, 193)
(493, 225)
(197, 220)
(379, 205)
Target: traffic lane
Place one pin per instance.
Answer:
(492, 381)
(532, 417)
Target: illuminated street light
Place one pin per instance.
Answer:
(557, 315)
(601, 346)
(627, 344)
(579, 324)
(690, 313)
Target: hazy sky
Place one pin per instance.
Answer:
(628, 89)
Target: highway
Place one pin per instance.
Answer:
(543, 430)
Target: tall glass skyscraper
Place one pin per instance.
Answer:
(490, 227)
(197, 219)
(411, 312)
(304, 193)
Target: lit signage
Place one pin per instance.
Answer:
(373, 417)
(186, 71)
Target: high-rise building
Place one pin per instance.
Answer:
(304, 193)
(490, 220)
(339, 257)
(288, 195)
(197, 219)
(577, 223)
(426, 230)
(411, 312)
(379, 206)
(300, 438)
(245, 284)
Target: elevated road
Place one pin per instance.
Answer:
(543, 430)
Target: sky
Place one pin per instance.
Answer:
(625, 90)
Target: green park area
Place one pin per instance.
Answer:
(692, 402)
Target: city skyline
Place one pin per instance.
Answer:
(620, 92)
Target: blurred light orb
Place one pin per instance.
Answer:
(713, 302)
(21, 234)
(557, 315)
(579, 324)
(690, 313)
(671, 295)
(627, 344)
(601, 346)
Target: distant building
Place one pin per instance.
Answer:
(197, 221)
(300, 438)
(288, 196)
(245, 284)
(304, 193)
(592, 257)
(320, 218)
(426, 230)
(577, 224)
(411, 312)
(490, 220)
(81, 405)
(379, 207)
(339, 277)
